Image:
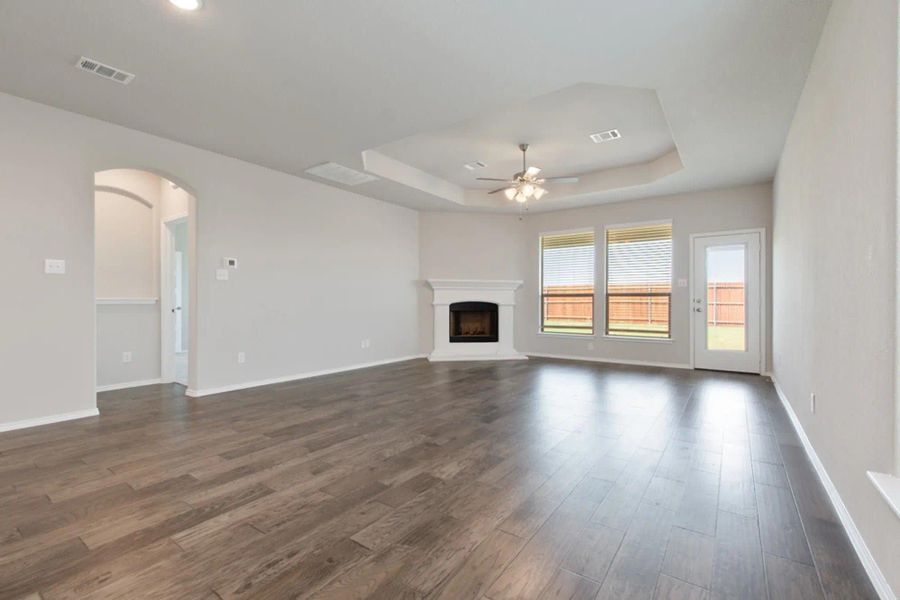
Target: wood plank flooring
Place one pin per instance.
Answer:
(538, 479)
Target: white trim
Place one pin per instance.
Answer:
(69, 416)
(574, 336)
(613, 361)
(868, 561)
(889, 488)
(634, 338)
(763, 297)
(128, 384)
(474, 284)
(116, 301)
(261, 382)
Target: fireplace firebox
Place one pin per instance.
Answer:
(473, 322)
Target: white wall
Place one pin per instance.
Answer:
(320, 268)
(835, 259)
(506, 247)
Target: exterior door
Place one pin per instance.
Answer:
(726, 302)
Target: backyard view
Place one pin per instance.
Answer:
(638, 287)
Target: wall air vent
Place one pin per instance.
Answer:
(340, 174)
(605, 136)
(105, 71)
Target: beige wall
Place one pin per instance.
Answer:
(835, 260)
(320, 268)
(476, 246)
(126, 260)
(466, 246)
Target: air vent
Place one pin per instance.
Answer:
(474, 165)
(340, 174)
(105, 71)
(605, 136)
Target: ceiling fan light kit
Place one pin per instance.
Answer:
(526, 184)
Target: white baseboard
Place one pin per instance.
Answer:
(252, 384)
(859, 544)
(128, 384)
(613, 361)
(78, 414)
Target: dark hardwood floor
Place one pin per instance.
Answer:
(539, 479)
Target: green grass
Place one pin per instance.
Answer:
(725, 337)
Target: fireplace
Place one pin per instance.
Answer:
(473, 322)
(473, 319)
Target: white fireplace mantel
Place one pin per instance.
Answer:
(499, 292)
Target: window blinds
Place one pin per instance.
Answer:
(639, 258)
(567, 262)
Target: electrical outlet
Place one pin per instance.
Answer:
(54, 266)
(242, 358)
(366, 343)
(812, 403)
(126, 357)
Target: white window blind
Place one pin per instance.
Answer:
(567, 282)
(639, 280)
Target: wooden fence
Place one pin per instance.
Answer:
(725, 304)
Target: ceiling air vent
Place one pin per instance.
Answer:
(340, 174)
(605, 136)
(475, 164)
(105, 71)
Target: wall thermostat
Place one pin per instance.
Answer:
(231, 263)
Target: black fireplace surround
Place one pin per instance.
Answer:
(473, 322)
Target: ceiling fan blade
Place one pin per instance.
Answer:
(562, 179)
(498, 190)
(492, 179)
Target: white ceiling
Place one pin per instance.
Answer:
(290, 84)
(556, 126)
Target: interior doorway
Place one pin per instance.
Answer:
(175, 309)
(726, 301)
(144, 279)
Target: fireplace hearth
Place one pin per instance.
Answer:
(473, 322)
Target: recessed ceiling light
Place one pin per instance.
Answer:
(187, 4)
(605, 136)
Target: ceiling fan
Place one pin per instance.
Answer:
(526, 184)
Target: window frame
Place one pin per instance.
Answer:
(606, 295)
(593, 331)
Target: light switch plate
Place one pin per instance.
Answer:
(222, 274)
(55, 266)
(682, 282)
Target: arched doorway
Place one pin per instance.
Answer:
(145, 279)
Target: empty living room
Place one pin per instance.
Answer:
(450, 300)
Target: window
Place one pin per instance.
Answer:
(639, 280)
(567, 283)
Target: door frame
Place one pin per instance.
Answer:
(166, 289)
(763, 290)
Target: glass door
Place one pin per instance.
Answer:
(725, 304)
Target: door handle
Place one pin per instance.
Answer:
(698, 309)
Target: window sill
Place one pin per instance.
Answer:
(628, 338)
(576, 336)
(889, 488)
